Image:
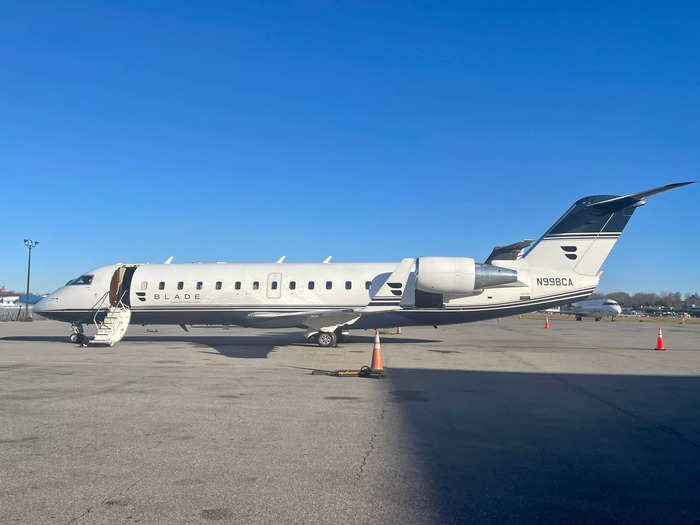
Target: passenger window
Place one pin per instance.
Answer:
(161, 285)
(256, 285)
(329, 285)
(292, 285)
(348, 285)
(368, 284)
(144, 285)
(274, 285)
(180, 285)
(237, 286)
(218, 285)
(311, 285)
(199, 285)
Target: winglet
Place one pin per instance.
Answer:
(281, 259)
(327, 259)
(169, 260)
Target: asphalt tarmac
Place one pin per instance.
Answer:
(480, 423)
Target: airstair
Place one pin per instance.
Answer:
(115, 323)
(113, 327)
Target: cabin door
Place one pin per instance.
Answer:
(274, 285)
(115, 285)
(119, 286)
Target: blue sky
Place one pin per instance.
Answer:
(134, 131)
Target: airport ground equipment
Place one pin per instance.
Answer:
(377, 365)
(660, 341)
(375, 370)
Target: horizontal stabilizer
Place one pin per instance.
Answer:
(510, 252)
(617, 203)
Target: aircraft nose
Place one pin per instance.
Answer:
(40, 305)
(45, 304)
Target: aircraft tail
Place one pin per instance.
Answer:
(582, 238)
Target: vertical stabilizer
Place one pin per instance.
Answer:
(582, 238)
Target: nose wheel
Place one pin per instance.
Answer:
(78, 335)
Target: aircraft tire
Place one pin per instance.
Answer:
(327, 339)
(73, 338)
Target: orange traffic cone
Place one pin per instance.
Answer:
(682, 320)
(377, 354)
(660, 341)
(546, 322)
(398, 330)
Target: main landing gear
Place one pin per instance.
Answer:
(326, 339)
(329, 339)
(78, 335)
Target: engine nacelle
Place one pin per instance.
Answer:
(459, 275)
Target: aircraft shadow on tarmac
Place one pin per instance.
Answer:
(235, 346)
(500, 447)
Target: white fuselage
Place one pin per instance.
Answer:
(268, 294)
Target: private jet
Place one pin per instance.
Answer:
(330, 299)
(596, 308)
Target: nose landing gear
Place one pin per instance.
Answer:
(78, 335)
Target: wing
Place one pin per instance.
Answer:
(325, 320)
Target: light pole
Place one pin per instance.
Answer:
(29, 244)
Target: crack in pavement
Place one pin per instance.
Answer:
(106, 499)
(372, 441)
(122, 492)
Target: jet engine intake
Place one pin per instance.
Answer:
(459, 275)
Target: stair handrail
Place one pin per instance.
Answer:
(97, 307)
(120, 303)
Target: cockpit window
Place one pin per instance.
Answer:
(83, 279)
(610, 302)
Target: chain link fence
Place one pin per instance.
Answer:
(16, 313)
